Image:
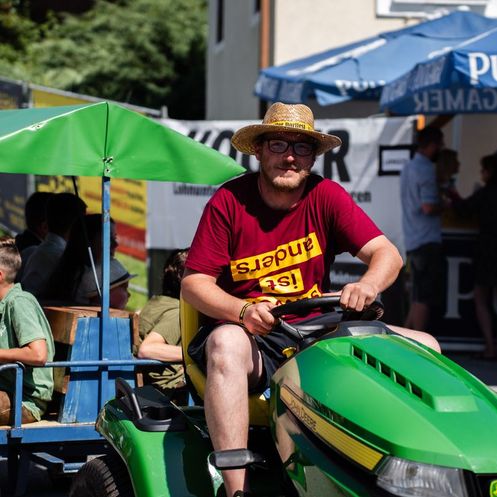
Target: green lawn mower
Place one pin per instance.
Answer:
(357, 411)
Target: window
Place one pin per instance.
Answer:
(220, 21)
(425, 8)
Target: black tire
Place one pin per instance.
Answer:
(104, 476)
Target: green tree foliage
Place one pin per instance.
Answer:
(145, 52)
(16, 33)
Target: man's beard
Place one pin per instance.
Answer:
(281, 184)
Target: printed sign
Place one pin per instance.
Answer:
(175, 209)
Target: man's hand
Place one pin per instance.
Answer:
(358, 296)
(258, 320)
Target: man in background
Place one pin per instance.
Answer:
(421, 209)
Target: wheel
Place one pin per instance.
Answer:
(104, 476)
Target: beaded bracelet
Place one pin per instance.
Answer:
(242, 312)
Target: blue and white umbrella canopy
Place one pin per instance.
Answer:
(462, 80)
(360, 70)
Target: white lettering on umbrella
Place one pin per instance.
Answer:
(455, 100)
(447, 101)
(493, 59)
(421, 101)
(345, 85)
(489, 96)
(479, 63)
(437, 101)
(473, 103)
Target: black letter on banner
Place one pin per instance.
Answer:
(246, 162)
(225, 135)
(203, 139)
(337, 155)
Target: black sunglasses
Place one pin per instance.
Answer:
(302, 149)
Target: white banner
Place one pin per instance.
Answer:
(366, 165)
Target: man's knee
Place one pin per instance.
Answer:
(430, 341)
(228, 346)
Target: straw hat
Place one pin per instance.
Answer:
(284, 117)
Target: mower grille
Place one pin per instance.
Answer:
(387, 371)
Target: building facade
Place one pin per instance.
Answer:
(245, 35)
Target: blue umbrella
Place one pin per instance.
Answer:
(361, 69)
(462, 80)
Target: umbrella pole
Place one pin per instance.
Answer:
(104, 316)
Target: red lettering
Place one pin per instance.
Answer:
(267, 261)
(242, 268)
(297, 252)
(257, 266)
(308, 244)
(294, 280)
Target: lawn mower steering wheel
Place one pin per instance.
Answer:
(324, 304)
(327, 304)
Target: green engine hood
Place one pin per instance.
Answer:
(393, 396)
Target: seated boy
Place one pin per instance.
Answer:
(25, 336)
(118, 284)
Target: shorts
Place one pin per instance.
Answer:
(271, 348)
(428, 271)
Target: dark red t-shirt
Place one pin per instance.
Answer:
(260, 253)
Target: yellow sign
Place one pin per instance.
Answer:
(43, 98)
(287, 282)
(286, 255)
(128, 199)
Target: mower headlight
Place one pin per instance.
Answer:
(413, 479)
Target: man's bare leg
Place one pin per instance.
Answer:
(419, 336)
(234, 363)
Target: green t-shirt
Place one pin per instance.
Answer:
(161, 315)
(22, 321)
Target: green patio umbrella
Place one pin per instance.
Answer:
(105, 139)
